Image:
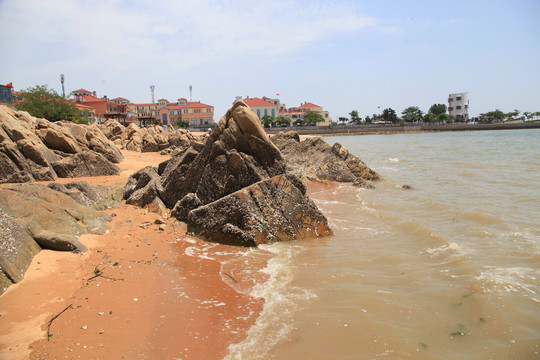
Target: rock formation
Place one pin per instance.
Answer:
(314, 159)
(147, 139)
(232, 188)
(36, 216)
(33, 149)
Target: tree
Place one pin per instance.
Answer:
(282, 121)
(412, 114)
(367, 120)
(354, 117)
(430, 118)
(443, 117)
(343, 120)
(46, 103)
(389, 115)
(267, 120)
(437, 109)
(182, 123)
(312, 117)
(496, 115)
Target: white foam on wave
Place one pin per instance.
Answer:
(511, 279)
(281, 301)
(394, 160)
(450, 252)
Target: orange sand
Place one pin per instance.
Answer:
(156, 299)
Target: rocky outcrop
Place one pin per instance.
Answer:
(36, 216)
(33, 149)
(148, 139)
(232, 188)
(275, 209)
(314, 159)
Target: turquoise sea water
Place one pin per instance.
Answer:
(449, 269)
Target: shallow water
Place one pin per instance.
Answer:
(447, 270)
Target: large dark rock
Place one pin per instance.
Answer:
(274, 209)
(233, 188)
(314, 159)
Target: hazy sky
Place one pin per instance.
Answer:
(341, 55)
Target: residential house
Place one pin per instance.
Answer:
(458, 106)
(194, 113)
(103, 107)
(295, 113)
(262, 107)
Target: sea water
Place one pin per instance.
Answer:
(448, 269)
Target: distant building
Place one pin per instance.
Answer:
(262, 107)
(194, 113)
(273, 107)
(6, 94)
(458, 106)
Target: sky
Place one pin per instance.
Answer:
(342, 55)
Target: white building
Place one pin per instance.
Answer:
(458, 106)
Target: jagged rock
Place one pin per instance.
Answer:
(17, 248)
(314, 159)
(30, 146)
(270, 210)
(52, 218)
(98, 197)
(232, 188)
(87, 163)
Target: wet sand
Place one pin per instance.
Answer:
(144, 290)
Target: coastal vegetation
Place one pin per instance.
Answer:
(437, 113)
(42, 102)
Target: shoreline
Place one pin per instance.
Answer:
(161, 293)
(388, 129)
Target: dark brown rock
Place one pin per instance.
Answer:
(270, 210)
(87, 163)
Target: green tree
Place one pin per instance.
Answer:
(354, 117)
(343, 120)
(312, 117)
(267, 120)
(282, 121)
(412, 114)
(182, 123)
(437, 109)
(389, 115)
(496, 115)
(430, 118)
(443, 117)
(46, 103)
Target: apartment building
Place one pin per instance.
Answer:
(194, 113)
(458, 106)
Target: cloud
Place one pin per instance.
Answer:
(156, 32)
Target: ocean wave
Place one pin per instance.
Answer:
(281, 301)
(511, 279)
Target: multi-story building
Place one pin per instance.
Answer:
(458, 106)
(273, 107)
(295, 113)
(262, 106)
(6, 94)
(194, 113)
(104, 108)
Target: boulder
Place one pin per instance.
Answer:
(35, 216)
(314, 159)
(87, 163)
(17, 248)
(233, 188)
(33, 149)
(54, 219)
(275, 209)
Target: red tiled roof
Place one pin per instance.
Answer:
(119, 98)
(194, 104)
(81, 90)
(146, 104)
(91, 99)
(307, 105)
(256, 102)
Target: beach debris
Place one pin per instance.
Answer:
(49, 335)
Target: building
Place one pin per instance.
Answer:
(296, 113)
(458, 106)
(195, 113)
(262, 107)
(104, 108)
(6, 93)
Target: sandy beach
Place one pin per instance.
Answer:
(144, 290)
